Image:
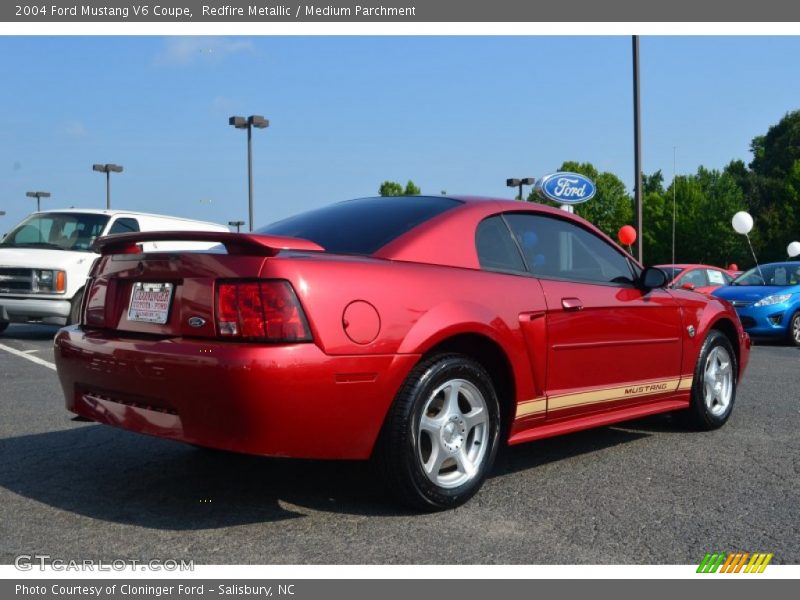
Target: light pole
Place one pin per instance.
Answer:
(248, 123)
(637, 150)
(107, 169)
(236, 224)
(38, 196)
(519, 183)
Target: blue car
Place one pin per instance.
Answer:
(767, 299)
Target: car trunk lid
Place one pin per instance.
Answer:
(173, 293)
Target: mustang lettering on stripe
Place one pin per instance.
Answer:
(646, 389)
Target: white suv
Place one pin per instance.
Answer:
(45, 260)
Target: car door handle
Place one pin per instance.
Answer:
(572, 304)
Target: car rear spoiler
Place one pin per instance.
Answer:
(235, 243)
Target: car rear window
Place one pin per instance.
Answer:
(362, 226)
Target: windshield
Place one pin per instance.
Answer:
(59, 231)
(780, 274)
(672, 272)
(361, 226)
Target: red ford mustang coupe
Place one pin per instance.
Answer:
(418, 331)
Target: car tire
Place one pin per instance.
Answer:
(714, 384)
(75, 308)
(794, 329)
(440, 437)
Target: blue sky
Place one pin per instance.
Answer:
(459, 114)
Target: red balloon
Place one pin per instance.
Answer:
(626, 235)
(733, 267)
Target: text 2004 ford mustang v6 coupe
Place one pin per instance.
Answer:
(419, 331)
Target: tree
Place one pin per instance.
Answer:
(653, 183)
(775, 153)
(657, 218)
(392, 188)
(775, 192)
(704, 205)
(411, 189)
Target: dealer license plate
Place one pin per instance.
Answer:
(150, 302)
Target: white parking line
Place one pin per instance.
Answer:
(34, 359)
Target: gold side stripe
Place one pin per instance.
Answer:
(531, 407)
(634, 390)
(622, 392)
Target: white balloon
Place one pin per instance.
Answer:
(793, 249)
(742, 222)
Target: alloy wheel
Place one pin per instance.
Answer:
(718, 381)
(453, 433)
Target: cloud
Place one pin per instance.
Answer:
(74, 129)
(181, 51)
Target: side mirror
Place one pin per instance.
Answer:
(653, 277)
(687, 286)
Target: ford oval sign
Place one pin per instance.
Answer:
(566, 188)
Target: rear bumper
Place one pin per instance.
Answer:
(40, 310)
(283, 400)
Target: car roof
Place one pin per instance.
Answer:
(117, 212)
(424, 243)
(785, 263)
(690, 266)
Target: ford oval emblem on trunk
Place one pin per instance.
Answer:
(566, 188)
(196, 321)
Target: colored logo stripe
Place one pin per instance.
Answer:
(758, 563)
(711, 563)
(733, 562)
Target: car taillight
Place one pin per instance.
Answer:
(94, 303)
(260, 310)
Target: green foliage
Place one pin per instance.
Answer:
(392, 188)
(771, 187)
(775, 153)
(653, 183)
(702, 205)
(411, 189)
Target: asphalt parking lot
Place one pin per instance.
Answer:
(641, 493)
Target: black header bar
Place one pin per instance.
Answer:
(408, 11)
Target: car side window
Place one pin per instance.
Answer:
(124, 225)
(717, 277)
(696, 277)
(496, 248)
(559, 249)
